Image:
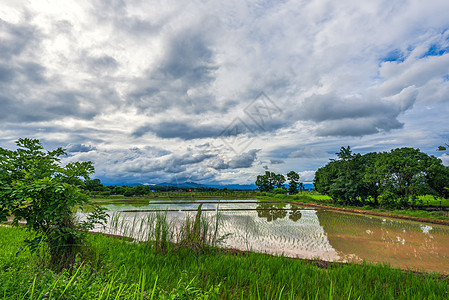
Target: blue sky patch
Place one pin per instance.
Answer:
(394, 55)
(436, 50)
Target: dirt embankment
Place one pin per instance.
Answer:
(373, 213)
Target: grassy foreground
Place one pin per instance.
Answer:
(119, 269)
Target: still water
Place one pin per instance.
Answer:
(306, 233)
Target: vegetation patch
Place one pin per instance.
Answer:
(119, 269)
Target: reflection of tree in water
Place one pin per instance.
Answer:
(271, 212)
(294, 214)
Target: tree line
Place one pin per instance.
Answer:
(390, 179)
(94, 187)
(272, 182)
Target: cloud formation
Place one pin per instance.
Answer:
(218, 91)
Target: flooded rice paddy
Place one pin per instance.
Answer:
(305, 233)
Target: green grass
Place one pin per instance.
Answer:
(435, 215)
(119, 269)
(431, 200)
(162, 196)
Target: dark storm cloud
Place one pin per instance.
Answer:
(7, 74)
(61, 105)
(189, 57)
(16, 38)
(320, 108)
(355, 116)
(218, 164)
(308, 152)
(179, 129)
(79, 148)
(244, 160)
(182, 78)
(101, 63)
(170, 164)
(276, 161)
(33, 72)
(116, 12)
(358, 127)
(188, 159)
(29, 94)
(151, 151)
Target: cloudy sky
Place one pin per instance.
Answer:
(220, 91)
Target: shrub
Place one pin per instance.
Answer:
(35, 187)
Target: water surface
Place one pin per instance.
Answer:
(308, 233)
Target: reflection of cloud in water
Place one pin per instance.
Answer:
(304, 238)
(300, 235)
(426, 228)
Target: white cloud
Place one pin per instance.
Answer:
(445, 159)
(114, 76)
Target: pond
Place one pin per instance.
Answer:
(294, 231)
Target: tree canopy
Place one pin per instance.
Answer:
(36, 188)
(271, 181)
(392, 178)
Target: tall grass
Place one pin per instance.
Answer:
(124, 270)
(196, 232)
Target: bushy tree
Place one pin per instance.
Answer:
(443, 148)
(342, 179)
(279, 181)
(265, 182)
(272, 182)
(293, 182)
(394, 178)
(34, 187)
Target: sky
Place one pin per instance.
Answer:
(218, 92)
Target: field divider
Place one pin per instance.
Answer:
(371, 213)
(211, 209)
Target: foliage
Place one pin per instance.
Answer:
(275, 183)
(133, 271)
(443, 148)
(293, 182)
(391, 179)
(265, 182)
(34, 187)
(96, 189)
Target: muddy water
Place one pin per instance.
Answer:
(400, 243)
(310, 233)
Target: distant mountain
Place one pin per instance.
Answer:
(188, 184)
(217, 186)
(234, 186)
(191, 184)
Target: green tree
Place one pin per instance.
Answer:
(94, 185)
(35, 187)
(342, 179)
(293, 182)
(265, 183)
(279, 181)
(443, 148)
(262, 183)
(407, 173)
(394, 178)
